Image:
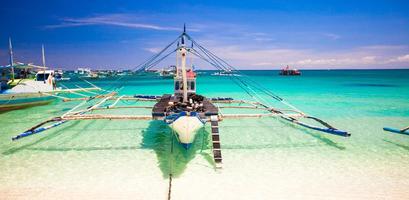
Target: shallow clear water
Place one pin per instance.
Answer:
(262, 158)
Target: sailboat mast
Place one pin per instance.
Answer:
(43, 57)
(11, 59)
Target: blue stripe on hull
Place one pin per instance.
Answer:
(186, 145)
(171, 118)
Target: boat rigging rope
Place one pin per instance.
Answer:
(238, 82)
(250, 81)
(218, 67)
(145, 65)
(253, 94)
(248, 84)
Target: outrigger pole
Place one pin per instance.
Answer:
(60, 120)
(404, 131)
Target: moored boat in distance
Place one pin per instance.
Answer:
(225, 73)
(168, 72)
(59, 75)
(82, 71)
(287, 71)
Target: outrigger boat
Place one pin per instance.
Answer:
(185, 111)
(27, 91)
(287, 71)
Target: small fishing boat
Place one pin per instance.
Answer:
(225, 73)
(185, 111)
(168, 72)
(287, 71)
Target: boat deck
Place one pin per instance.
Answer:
(160, 108)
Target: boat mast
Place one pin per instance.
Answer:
(183, 62)
(11, 60)
(43, 57)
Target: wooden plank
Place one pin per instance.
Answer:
(209, 108)
(215, 138)
(159, 108)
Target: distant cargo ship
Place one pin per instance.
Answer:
(290, 72)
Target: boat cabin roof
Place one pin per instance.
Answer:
(46, 72)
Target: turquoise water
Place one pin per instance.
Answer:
(263, 158)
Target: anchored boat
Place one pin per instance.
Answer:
(185, 111)
(25, 90)
(287, 71)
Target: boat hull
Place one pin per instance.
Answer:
(186, 126)
(17, 101)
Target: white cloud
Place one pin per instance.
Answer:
(153, 49)
(263, 39)
(384, 47)
(122, 20)
(250, 57)
(332, 36)
(263, 64)
(369, 59)
(401, 59)
(343, 61)
(404, 58)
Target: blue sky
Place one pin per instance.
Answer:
(249, 34)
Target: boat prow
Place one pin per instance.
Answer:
(186, 126)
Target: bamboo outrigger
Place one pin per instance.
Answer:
(404, 131)
(185, 111)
